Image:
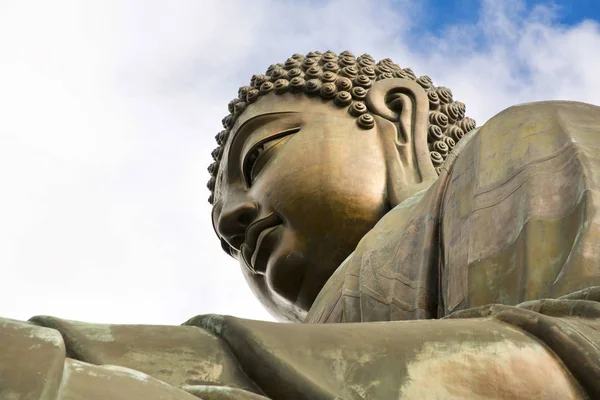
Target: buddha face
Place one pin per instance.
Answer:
(300, 184)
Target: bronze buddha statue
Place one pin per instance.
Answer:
(463, 261)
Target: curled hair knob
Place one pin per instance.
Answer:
(365, 62)
(462, 109)
(349, 72)
(467, 124)
(444, 94)
(449, 142)
(313, 72)
(281, 86)
(346, 61)
(211, 184)
(366, 121)
(359, 93)
(239, 107)
(343, 83)
(357, 109)
(297, 84)
(436, 158)
(366, 56)
(309, 62)
(294, 72)
(217, 153)
(434, 100)
(328, 90)
(343, 98)
(455, 132)
(441, 147)
(291, 63)
(259, 80)
(363, 81)
(213, 168)
(385, 75)
(331, 66)
(252, 96)
(424, 81)
(368, 71)
(409, 73)
(388, 63)
(228, 121)
(438, 118)
(278, 73)
(231, 105)
(266, 87)
(328, 76)
(434, 133)
(401, 74)
(312, 87)
(221, 137)
(243, 92)
(451, 110)
(328, 56)
(383, 69)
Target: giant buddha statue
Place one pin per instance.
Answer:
(417, 255)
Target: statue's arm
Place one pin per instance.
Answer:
(462, 358)
(488, 356)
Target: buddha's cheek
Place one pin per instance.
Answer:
(323, 206)
(324, 176)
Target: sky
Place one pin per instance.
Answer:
(109, 108)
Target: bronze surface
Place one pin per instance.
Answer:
(425, 258)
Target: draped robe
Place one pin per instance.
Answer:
(497, 262)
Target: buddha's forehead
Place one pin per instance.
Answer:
(272, 104)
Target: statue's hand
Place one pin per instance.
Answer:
(48, 353)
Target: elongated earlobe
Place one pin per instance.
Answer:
(405, 104)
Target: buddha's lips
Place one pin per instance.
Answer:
(253, 233)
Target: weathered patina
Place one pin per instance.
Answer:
(421, 257)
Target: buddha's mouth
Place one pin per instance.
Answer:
(258, 244)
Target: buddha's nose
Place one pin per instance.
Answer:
(233, 222)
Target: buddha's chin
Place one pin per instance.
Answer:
(294, 277)
(285, 272)
(287, 278)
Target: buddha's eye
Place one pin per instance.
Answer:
(259, 155)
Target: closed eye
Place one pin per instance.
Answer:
(258, 156)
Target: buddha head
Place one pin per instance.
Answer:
(314, 153)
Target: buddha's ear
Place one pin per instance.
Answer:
(405, 104)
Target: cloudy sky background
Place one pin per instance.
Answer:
(108, 112)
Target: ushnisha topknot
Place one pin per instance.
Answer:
(346, 80)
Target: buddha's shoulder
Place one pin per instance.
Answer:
(544, 117)
(525, 135)
(545, 107)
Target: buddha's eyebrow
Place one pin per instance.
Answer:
(251, 123)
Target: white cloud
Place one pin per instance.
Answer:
(109, 110)
(512, 55)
